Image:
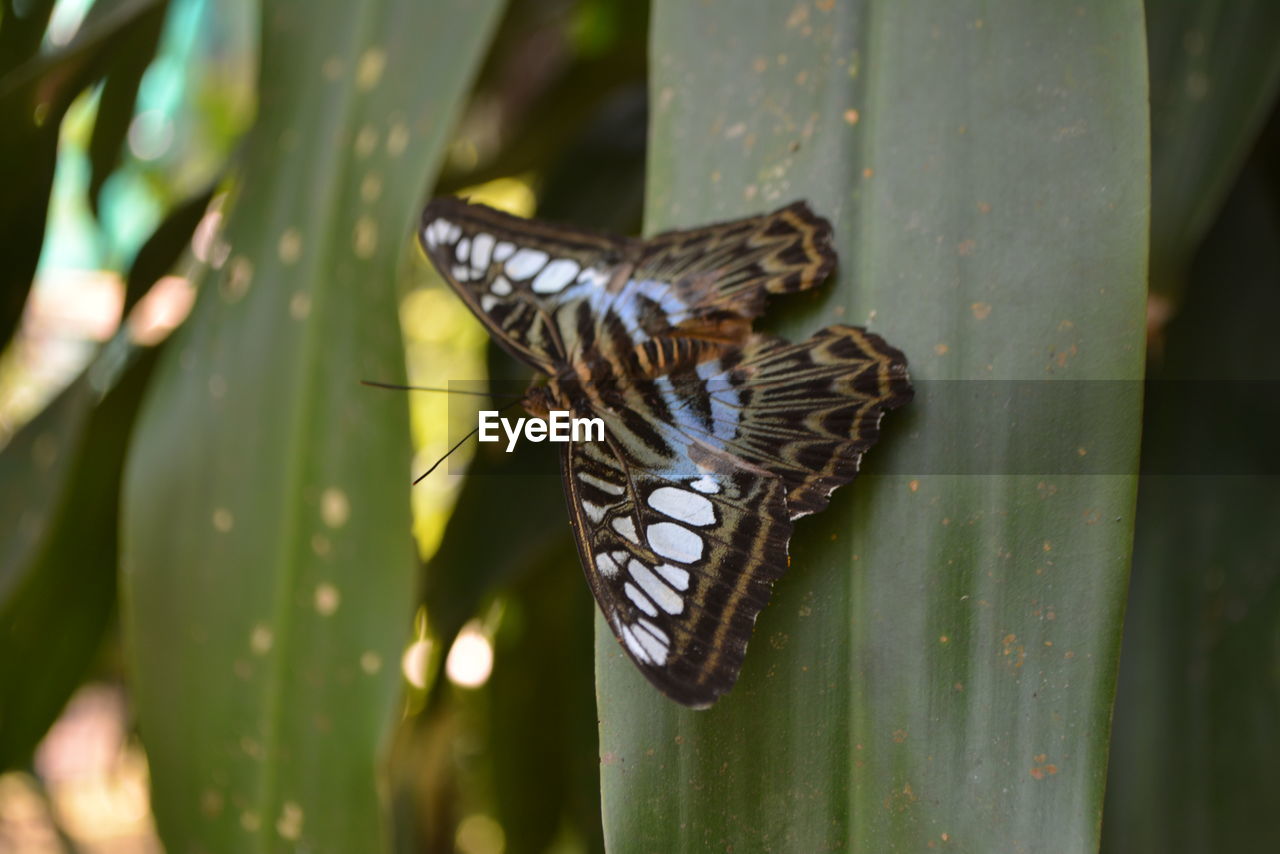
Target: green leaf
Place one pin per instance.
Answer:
(1195, 743)
(59, 513)
(269, 570)
(1215, 73)
(936, 669)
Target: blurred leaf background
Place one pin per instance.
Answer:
(288, 674)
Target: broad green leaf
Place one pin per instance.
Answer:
(59, 503)
(1192, 767)
(267, 558)
(936, 669)
(1215, 73)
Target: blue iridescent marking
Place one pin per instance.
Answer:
(725, 400)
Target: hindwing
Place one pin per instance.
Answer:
(680, 557)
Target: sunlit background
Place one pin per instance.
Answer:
(86, 789)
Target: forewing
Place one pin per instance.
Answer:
(517, 274)
(681, 558)
(729, 267)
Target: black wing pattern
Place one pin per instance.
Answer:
(716, 437)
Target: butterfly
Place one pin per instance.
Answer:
(717, 437)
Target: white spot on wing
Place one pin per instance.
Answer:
(634, 645)
(594, 511)
(487, 302)
(667, 599)
(653, 639)
(481, 250)
(626, 526)
(462, 272)
(678, 577)
(500, 285)
(706, 484)
(594, 277)
(525, 263)
(555, 276)
(602, 485)
(639, 599)
(463, 249)
(503, 251)
(606, 565)
(682, 505)
(671, 540)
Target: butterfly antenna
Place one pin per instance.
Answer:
(459, 444)
(397, 387)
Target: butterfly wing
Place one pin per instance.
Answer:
(681, 557)
(803, 412)
(520, 277)
(729, 267)
(546, 292)
(716, 438)
(684, 514)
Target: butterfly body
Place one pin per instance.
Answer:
(716, 437)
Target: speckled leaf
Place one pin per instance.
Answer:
(936, 669)
(266, 548)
